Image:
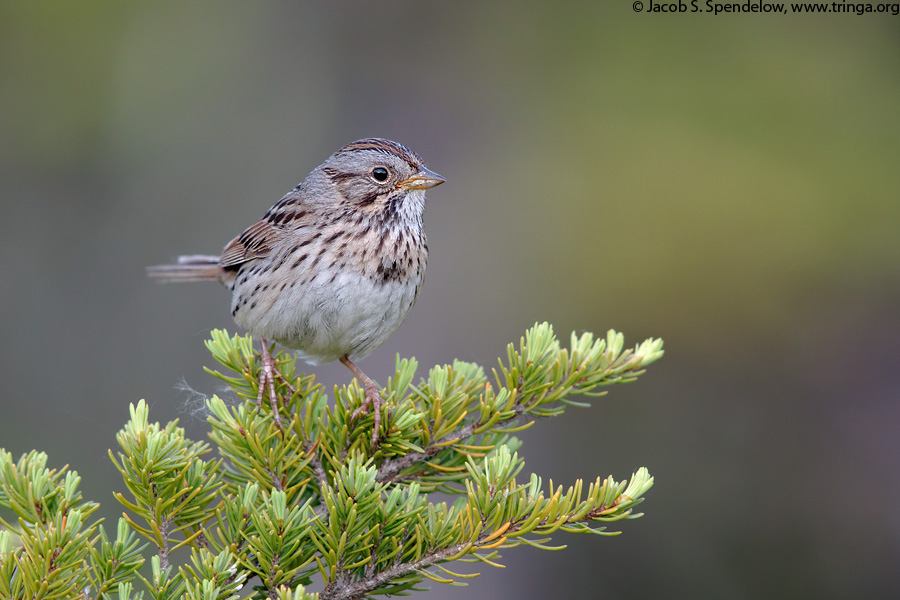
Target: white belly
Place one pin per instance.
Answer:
(324, 319)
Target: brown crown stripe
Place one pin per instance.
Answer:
(386, 146)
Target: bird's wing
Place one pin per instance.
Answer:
(258, 240)
(255, 242)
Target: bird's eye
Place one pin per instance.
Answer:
(379, 174)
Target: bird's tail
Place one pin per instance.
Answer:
(196, 267)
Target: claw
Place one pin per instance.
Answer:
(268, 374)
(373, 398)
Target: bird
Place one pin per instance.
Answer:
(333, 268)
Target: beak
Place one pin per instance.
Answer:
(422, 180)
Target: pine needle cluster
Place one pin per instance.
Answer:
(308, 499)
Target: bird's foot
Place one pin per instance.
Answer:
(372, 398)
(268, 373)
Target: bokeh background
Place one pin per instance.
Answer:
(729, 183)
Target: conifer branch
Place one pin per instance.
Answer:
(305, 495)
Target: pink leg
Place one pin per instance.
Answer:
(372, 397)
(267, 375)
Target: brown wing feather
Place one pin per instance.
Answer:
(255, 242)
(258, 240)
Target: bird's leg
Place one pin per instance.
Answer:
(267, 375)
(372, 397)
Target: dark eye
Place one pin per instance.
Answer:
(379, 174)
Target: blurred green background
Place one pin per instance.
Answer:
(730, 183)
